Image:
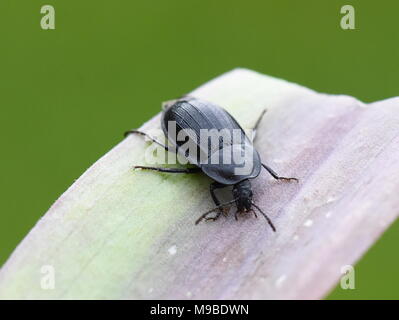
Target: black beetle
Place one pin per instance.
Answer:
(194, 115)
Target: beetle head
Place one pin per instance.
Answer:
(242, 192)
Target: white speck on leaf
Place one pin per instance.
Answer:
(172, 250)
(308, 223)
(280, 280)
(330, 199)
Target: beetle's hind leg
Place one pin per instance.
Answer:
(255, 127)
(148, 136)
(259, 120)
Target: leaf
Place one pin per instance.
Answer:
(123, 234)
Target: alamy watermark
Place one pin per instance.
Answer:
(348, 20)
(47, 21)
(205, 148)
(47, 280)
(348, 277)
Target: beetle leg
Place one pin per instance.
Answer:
(259, 119)
(204, 216)
(216, 185)
(255, 128)
(236, 215)
(167, 104)
(170, 170)
(218, 213)
(276, 176)
(148, 136)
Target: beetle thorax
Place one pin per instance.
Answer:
(242, 192)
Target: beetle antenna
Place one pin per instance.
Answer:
(266, 217)
(215, 208)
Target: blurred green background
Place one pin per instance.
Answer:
(66, 95)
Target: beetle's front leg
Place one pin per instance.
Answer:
(216, 185)
(218, 213)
